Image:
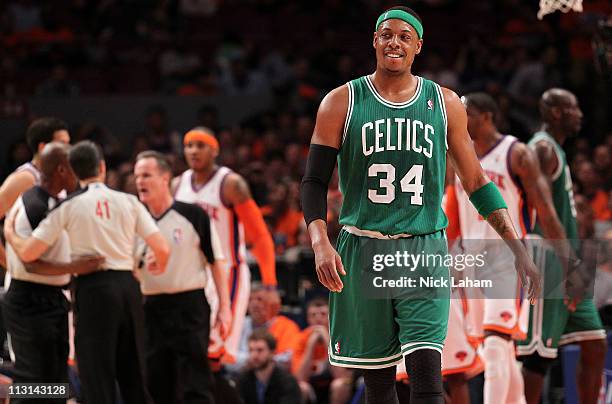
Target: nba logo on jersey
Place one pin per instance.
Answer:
(461, 355)
(177, 236)
(430, 105)
(337, 347)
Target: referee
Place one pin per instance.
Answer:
(109, 336)
(177, 315)
(35, 308)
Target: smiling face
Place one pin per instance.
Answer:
(396, 43)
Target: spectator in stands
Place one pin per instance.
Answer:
(590, 186)
(264, 308)
(602, 295)
(282, 216)
(158, 135)
(318, 380)
(603, 164)
(264, 382)
(58, 85)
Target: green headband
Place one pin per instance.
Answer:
(404, 16)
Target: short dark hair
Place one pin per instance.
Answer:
(483, 102)
(261, 334)
(85, 158)
(406, 9)
(317, 302)
(42, 130)
(162, 162)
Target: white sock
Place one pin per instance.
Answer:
(516, 393)
(497, 372)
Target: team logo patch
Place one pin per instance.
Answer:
(337, 347)
(506, 315)
(430, 105)
(177, 236)
(461, 355)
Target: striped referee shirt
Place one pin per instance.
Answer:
(33, 206)
(194, 244)
(99, 221)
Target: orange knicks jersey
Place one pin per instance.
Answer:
(496, 164)
(225, 220)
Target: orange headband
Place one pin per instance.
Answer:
(201, 136)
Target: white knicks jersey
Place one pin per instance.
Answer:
(225, 219)
(496, 164)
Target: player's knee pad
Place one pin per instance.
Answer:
(424, 368)
(496, 356)
(537, 364)
(380, 385)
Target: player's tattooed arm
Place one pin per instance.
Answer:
(468, 169)
(235, 190)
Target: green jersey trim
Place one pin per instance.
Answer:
(444, 117)
(390, 104)
(544, 137)
(349, 111)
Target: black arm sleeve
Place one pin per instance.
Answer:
(319, 169)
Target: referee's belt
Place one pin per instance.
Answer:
(375, 234)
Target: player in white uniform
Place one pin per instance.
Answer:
(225, 196)
(39, 133)
(503, 312)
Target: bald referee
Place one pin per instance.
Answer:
(109, 337)
(177, 315)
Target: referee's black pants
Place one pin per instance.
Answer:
(109, 337)
(178, 327)
(36, 318)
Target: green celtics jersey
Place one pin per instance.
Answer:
(392, 161)
(562, 191)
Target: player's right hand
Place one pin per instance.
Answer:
(224, 321)
(328, 264)
(530, 276)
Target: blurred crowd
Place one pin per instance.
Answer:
(297, 52)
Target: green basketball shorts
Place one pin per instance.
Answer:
(375, 326)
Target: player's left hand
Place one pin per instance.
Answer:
(224, 321)
(530, 276)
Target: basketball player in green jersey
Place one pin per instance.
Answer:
(553, 321)
(391, 132)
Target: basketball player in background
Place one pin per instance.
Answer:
(515, 169)
(225, 196)
(556, 321)
(39, 133)
(35, 308)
